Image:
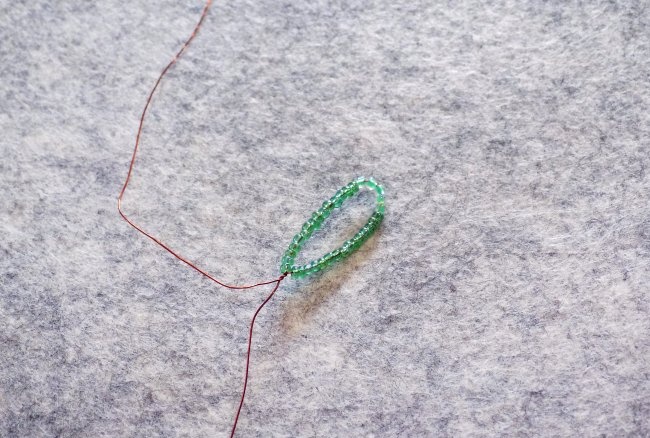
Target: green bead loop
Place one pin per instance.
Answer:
(319, 216)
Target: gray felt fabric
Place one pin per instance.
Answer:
(505, 295)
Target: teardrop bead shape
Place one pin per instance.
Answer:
(316, 220)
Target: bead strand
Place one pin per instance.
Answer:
(317, 219)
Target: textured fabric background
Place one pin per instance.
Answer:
(505, 295)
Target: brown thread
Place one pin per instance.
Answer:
(165, 246)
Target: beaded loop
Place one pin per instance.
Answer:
(319, 216)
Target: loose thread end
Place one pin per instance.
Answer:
(248, 351)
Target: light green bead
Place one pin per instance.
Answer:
(317, 219)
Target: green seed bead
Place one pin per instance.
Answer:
(317, 219)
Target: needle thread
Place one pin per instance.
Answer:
(141, 230)
(136, 147)
(248, 352)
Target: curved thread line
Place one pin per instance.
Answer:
(165, 246)
(248, 352)
(135, 152)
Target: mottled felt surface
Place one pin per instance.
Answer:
(505, 295)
